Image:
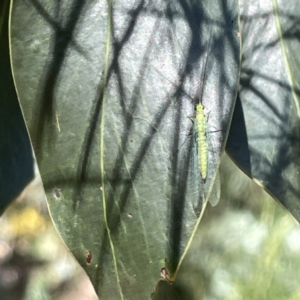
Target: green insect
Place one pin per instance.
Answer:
(200, 120)
(201, 150)
(201, 147)
(201, 141)
(200, 128)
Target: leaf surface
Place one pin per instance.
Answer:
(264, 137)
(108, 93)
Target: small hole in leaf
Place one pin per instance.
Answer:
(89, 256)
(57, 193)
(129, 215)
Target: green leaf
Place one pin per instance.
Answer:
(264, 137)
(108, 92)
(165, 290)
(16, 159)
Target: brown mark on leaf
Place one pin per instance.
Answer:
(164, 273)
(89, 256)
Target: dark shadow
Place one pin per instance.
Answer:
(18, 269)
(237, 142)
(269, 153)
(62, 39)
(16, 159)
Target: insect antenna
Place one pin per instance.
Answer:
(203, 73)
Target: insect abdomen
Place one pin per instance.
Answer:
(202, 146)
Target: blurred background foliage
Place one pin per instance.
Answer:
(247, 247)
(34, 262)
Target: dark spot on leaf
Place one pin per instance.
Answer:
(57, 193)
(89, 256)
(131, 141)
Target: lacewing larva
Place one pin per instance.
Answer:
(200, 130)
(202, 156)
(201, 146)
(200, 127)
(200, 120)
